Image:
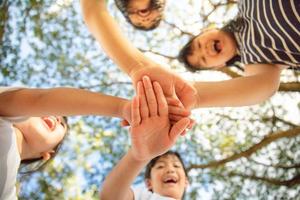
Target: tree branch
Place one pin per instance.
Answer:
(105, 85)
(182, 31)
(158, 53)
(289, 183)
(264, 142)
(289, 87)
(282, 166)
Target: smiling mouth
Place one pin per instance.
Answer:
(170, 181)
(50, 122)
(217, 46)
(144, 12)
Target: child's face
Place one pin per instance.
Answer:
(140, 13)
(212, 49)
(43, 134)
(168, 177)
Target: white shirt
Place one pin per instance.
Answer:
(141, 193)
(9, 155)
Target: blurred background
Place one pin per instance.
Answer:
(232, 153)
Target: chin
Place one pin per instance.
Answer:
(173, 193)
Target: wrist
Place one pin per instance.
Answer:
(121, 110)
(136, 158)
(139, 68)
(197, 96)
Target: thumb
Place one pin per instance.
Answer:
(178, 128)
(184, 92)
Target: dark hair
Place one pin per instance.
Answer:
(184, 52)
(151, 164)
(30, 166)
(154, 5)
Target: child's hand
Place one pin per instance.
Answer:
(175, 109)
(151, 131)
(177, 112)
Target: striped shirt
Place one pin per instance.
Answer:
(268, 31)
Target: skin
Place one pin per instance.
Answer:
(54, 101)
(128, 58)
(259, 83)
(165, 169)
(204, 53)
(38, 136)
(140, 13)
(148, 141)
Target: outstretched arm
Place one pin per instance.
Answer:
(62, 102)
(261, 82)
(151, 135)
(106, 31)
(129, 58)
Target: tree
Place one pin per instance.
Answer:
(232, 153)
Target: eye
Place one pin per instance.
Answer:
(63, 124)
(159, 167)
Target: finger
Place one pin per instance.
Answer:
(150, 96)
(173, 102)
(135, 112)
(143, 102)
(175, 117)
(192, 123)
(172, 122)
(124, 123)
(178, 128)
(184, 91)
(183, 133)
(175, 110)
(161, 100)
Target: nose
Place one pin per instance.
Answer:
(170, 169)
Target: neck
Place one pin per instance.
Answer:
(23, 147)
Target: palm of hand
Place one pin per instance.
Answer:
(172, 85)
(151, 140)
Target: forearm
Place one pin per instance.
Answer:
(59, 101)
(108, 34)
(241, 91)
(117, 183)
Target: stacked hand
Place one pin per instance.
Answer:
(151, 131)
(180, 95)
(172, 85)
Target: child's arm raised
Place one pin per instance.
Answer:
(151, 136)
(127, 56)
(62, 102)
(109, 35)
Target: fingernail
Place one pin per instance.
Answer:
(146, 78)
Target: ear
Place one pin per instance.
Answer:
(186, 182)
(148, 183)
(46, 155)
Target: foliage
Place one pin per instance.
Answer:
(46, 44)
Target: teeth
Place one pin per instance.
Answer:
(171, 180)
